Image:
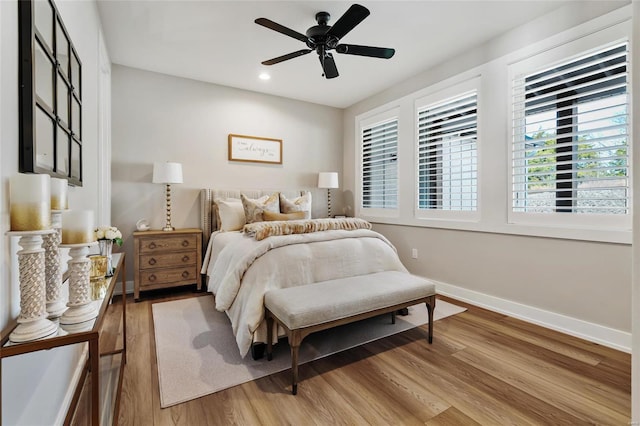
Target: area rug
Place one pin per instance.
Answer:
(197, 353)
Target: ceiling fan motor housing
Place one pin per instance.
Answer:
(317, 35)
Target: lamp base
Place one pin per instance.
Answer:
(168, 228)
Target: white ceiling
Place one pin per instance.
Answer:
(218, 41)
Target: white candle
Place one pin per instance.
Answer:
(59, 200)
(30, 202)
(77, 227)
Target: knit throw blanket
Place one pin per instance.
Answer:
(262, 230)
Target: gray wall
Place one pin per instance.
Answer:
(158, 117)
(582, 287)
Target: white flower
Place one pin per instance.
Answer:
(109, 233)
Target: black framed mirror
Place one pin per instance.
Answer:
(50, 94)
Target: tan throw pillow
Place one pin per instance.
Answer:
(253, 208)
(299, 204)
(269, 216)
(230, 214)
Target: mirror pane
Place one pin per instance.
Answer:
(44, 140)
(62, 49)
(75, 160)
(44, 76)
(63, 101)
(62, 160)
(75, 74)
(43, 17)
(75, 117)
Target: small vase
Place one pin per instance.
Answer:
(105, 250)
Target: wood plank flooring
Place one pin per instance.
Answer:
(483, 368)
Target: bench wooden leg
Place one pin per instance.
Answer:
(294, 368)
(269, 336)
(431, 305)
(393, 317)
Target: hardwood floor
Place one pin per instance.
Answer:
(482, 368)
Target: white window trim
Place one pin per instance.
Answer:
(585, 226)
(454, 90)
(367, 120)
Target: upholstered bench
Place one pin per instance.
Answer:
(309, 308)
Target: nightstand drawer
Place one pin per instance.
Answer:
(168, 243)
(167, 276)
(168, 260)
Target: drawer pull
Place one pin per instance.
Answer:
(152, 277)
(185, 258)
(185, 243)
(152, 245)
(152, 261)
(185, 274)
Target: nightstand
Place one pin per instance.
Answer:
(165, 259)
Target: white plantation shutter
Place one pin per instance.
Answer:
(571, 147)
(448, 154)
(380, 165)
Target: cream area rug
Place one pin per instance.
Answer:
(197, 353)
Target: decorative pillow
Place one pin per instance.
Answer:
(230, 214)
(253, 208)
(270, 216)
(300, 204)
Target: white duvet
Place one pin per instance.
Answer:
(241, 269)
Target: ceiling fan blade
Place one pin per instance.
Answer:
(374, 52)
(328, 66)
(352, 17)
(286, 57)
(281, 29)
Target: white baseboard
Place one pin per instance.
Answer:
(75, 380)
(606, 336)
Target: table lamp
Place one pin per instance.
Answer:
(328, 180)
(167, 173)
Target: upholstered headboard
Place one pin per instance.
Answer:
(208, 197)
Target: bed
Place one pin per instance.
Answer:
(240, 268)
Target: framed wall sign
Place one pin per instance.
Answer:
(255, 149)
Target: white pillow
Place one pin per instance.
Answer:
(230, 214)
(299, 204)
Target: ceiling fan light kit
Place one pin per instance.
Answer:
(323, 38)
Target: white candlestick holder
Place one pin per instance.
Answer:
(55, 304)
(81, 308)
(32, 321)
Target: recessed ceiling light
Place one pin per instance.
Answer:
(264, 76)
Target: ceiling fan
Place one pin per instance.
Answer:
(323, 38)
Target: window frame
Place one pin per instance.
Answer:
(583, 223)
(452, 91)
(366, 121)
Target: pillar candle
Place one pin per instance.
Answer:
(77, 227)
(30, 202)
(59, 200)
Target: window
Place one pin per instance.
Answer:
(379, 150)
(447, 154)
(571, 151)
(50, 94)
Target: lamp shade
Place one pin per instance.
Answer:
(328, 180)
(167, 172)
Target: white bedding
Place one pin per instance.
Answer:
(241, 269)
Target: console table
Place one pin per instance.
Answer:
(92, 337)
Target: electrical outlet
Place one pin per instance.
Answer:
(414, 253)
